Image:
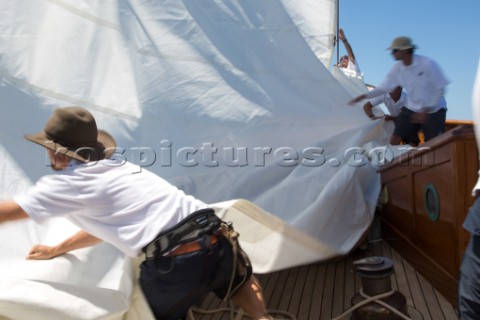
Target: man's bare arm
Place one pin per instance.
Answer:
(348, 48)
(11, 211)
(81, 239)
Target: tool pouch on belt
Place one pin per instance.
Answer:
(200, 223)
(241, 263)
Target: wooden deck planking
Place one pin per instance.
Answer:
(349, 287)
(446, 307)
(339, 293)
(323, 291)
(294, 285)
(279, 290)
(308, 293)
(318, 292)
(419, 302)
(298, 291)
(431, 300)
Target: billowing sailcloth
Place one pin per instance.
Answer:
(231, 101)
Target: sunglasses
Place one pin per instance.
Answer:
(395, 50)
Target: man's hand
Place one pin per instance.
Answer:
(357, 99)
(41, 252)
(81, 239)
(341, 34)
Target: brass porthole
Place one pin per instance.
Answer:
(432, 202)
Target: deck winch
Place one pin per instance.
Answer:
(376, 299)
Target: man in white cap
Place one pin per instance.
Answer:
(187, 250)
(425, 83)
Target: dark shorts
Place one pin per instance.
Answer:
(433, 126)
(172, 285)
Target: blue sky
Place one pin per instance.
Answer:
(444, 30)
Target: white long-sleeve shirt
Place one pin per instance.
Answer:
(393, 107)
(423, 80)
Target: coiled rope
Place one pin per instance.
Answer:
(237, 314)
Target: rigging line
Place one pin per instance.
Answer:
(67, 98)
(85, 15)
(336, 36)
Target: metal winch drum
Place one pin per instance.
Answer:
(375, 274)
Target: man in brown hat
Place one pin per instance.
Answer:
(186, 252)
(423, 80)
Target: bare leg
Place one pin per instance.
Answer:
(249, 297)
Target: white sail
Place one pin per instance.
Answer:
(225, 99)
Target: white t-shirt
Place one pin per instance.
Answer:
(423, 80)
(113, 200)
(392, 106)
(352, 70)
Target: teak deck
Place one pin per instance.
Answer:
(323, 291)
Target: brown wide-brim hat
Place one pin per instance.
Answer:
(72, 131)
(402, 43)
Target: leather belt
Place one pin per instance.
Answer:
(192, 246)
